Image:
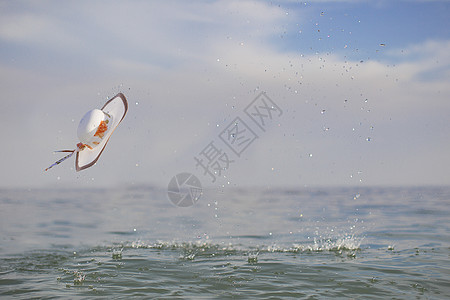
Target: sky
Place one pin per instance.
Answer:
(357, 93)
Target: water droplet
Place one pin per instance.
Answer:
(137, 103)
(310, 155)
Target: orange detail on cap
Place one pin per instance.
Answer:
(101, 129)
(81, 146)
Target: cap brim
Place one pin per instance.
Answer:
(116, 107)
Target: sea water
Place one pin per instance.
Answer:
(261, 243)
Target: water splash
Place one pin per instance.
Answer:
(194, 249)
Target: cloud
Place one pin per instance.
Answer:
(357, 119)
(434, 60)
(189, 69)
(36, 29)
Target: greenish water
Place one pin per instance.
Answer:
(364, 243)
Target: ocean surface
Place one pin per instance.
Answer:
(236, 243)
